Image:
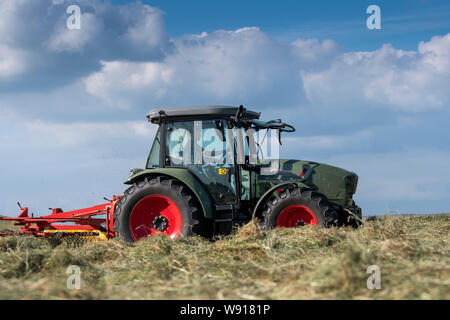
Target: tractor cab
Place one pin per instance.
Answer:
(221, 146)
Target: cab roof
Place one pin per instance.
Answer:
(198, 112)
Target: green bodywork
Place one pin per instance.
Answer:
(337, 184)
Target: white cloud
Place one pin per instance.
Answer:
(146, 26)
(436, 53)
(224, 67)
(313, 54)
(64, 39)
(75, 134)
(13, 62)
(35, 41)
(130, 77)
(326, 142)
(9, 13)
(402, 80)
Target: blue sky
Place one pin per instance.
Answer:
(73, 102)
(405, 22)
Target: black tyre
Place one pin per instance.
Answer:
(158, 205)
(297, 207)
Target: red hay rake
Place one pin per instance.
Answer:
(83, 224)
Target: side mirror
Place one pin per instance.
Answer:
(237, 117)
(219, 126)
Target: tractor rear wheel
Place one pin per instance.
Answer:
(157, 205)
(298, 207)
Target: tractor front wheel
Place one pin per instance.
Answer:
(157, 205)
(298, 207)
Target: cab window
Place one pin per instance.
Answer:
(153, 158)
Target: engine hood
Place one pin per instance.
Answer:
(337, 184)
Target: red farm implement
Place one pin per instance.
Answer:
(90, 224)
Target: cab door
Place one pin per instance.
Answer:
(204, 147)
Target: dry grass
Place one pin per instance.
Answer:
(304, 263)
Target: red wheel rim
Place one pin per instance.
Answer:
(155, 214)
(295, 216)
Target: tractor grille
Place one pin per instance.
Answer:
(351, 183)
(355, 185)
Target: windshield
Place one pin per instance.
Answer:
(153, 158)
(262, 146)
(264, 139)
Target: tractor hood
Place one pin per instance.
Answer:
(337, 184)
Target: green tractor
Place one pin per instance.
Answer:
(208, 171)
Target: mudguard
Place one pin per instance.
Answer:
(257, 211)
(183, 175)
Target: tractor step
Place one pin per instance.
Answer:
(228, 215)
